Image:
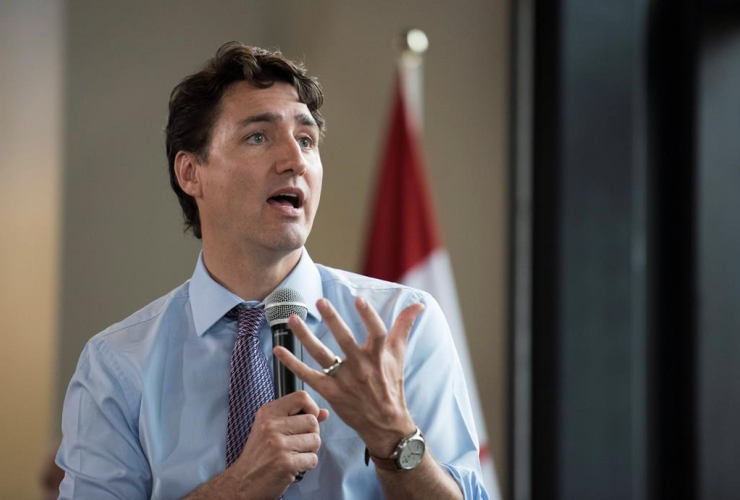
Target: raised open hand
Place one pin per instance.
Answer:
(366, 391)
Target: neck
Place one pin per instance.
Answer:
(250, 275)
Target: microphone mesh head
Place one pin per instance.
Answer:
(283, 302)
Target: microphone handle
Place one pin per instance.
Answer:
(285, 381)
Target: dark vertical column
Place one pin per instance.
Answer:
(520, 236)
(546, 253)
(600, 254)
(588, 251)
(718, 255)
(671, 51)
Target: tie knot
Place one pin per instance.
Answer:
(250, 319)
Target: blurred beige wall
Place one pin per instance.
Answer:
(30, 164)
(122, 243)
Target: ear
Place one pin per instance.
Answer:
(188, 173)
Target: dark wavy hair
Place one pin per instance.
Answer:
(195, 104)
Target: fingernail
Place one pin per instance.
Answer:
(361, 302)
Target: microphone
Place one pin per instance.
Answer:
(279, 305)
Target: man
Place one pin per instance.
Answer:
(154, 408)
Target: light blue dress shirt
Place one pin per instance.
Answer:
(145, 412)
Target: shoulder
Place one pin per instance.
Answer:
(134, 336)
(121, 352)
(387, 298)
(338, 281)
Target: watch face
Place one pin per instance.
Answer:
(411, 454)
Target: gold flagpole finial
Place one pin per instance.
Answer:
(413, 44)
(414, 40)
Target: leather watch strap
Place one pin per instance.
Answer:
(381, 463)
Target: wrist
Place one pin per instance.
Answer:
(222, 487)
(382, 442)
(409, 453)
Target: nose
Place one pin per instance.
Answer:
(291, 157)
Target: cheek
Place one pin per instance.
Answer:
(316, 194)
(316, 181)
(230, 192)
(234, 181)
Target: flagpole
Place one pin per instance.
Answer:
(413, 44)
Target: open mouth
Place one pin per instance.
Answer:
(293, 200)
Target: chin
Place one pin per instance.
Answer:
(284, 239)
(288, 244)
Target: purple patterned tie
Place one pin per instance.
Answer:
(251, 383)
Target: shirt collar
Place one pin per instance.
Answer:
(210, 301)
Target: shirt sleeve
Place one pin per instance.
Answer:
(438, 399)
(100, 451)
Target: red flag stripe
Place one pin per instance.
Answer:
(403, 231)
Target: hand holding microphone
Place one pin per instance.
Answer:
(279, 306)
(285, 435)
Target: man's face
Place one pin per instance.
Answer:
(261, 184)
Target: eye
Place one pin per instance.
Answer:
(256, 138)
(306, 141)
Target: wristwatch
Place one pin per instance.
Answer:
(407, 455)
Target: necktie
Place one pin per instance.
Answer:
(251, 384)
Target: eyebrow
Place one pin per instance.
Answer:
(270, 117)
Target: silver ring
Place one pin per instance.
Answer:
(334, 368)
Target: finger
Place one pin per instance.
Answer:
(338, 327)
(294, 425)
(323, 415)
(303, 443)
(376, 332)
(301, 424)
(315, 348)
(291, 404)
(399, 334)
(305, 461)
(298, 367)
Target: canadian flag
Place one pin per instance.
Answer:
(404, 243)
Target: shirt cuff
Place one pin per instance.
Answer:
(469, 482)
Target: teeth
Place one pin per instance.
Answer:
(293, 198)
